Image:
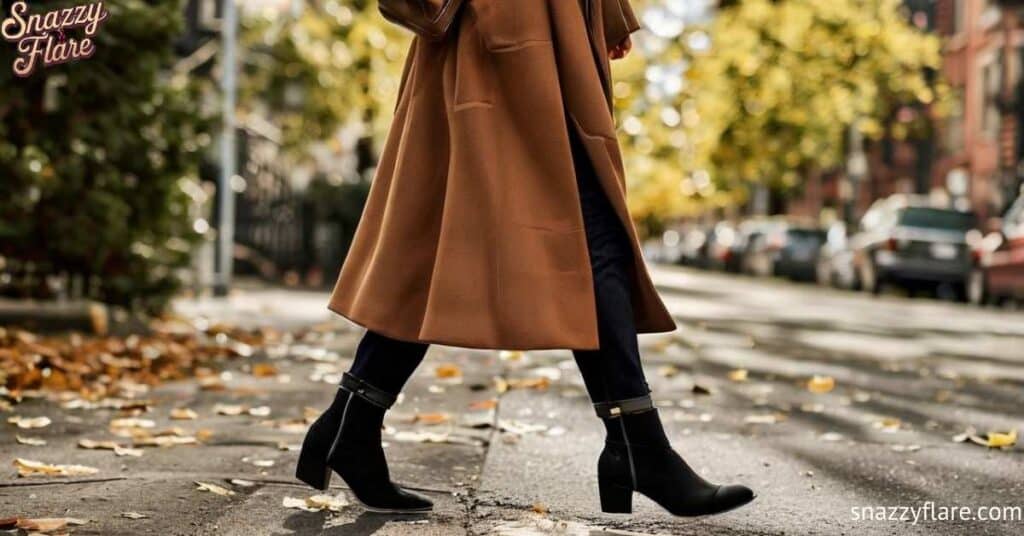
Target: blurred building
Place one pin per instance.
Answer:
(976, 153)
(980, 143)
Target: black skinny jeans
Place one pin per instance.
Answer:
(611, 373)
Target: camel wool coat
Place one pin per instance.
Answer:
(472, 235)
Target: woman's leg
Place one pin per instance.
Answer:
(614, 371)
(386, 363)
(637, 456)
(346, 438)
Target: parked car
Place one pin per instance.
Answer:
(1000, 276)
(796, 253)
(906, 242)
(835, 267)
(691, 246)
(756, 245)
(716, 252)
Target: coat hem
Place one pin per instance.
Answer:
(463, 343)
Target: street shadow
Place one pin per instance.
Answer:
(366, 523)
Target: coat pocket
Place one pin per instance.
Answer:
(509, 25)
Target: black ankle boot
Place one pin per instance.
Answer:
(638, 457)
(354, 450)
(312, 467)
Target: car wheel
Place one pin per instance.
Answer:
(974, 287)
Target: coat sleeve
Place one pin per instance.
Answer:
(619, 21)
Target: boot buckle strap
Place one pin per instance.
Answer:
(618, 408)
(371, 394)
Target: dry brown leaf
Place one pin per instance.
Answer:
(26, 423)
(183, 414)
(539, 508)
(34, 468)
(264, 370)
(231, 410)
(821, 384)
(214, 488)
(132, 422)
(31, 441)
(48, 524)
(317, 503)
(119, 450)
(540, 383)
(480, 405)
(448, 370)
(431, 418)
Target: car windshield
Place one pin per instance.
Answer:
(937, 218)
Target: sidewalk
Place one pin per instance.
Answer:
(528, 465)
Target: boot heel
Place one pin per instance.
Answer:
(615, 499)
(313, 470)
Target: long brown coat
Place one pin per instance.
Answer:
(473, 235)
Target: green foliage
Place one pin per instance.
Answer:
(336, 63)
(771, 98)
(96, 157)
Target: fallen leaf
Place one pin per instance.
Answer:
(539, 508)
(259, 411)
(34, 468)
(132, 422)
(484, 404)
(134, 515)
(408, 436)
(1002, 439)
(539, 384)
(48, 524)
(119, 450)
(231, 410)
(431, 418)
(769, 418)
(264, 370)
(821, 384)
(183, 414)
(317, 503)
(738, 375)
(26, 423)
(32, 441)
(519, 427)
(164, 441)
(448, 370)
(214, 488)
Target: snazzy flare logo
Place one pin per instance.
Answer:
(42, 38)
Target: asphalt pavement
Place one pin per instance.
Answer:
(900, 383)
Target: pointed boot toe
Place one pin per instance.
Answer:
(731, 496)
